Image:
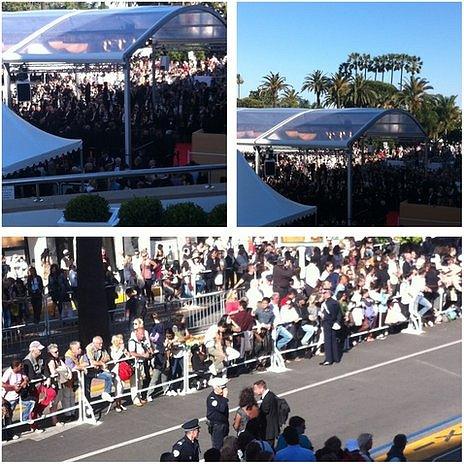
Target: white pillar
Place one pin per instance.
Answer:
(301, 260)
(257, 161)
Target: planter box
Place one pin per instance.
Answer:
(112, 221)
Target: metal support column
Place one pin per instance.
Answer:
(6, 77)
(153, 72)
(257, 160)
(349, 186)
(127, 115)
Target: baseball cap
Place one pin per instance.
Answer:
(36, 344)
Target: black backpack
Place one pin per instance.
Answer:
(283, 411)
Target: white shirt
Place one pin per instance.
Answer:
(11, 378)
(265, 392)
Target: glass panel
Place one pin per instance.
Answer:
(253, 122)
(193, 26)
(395, 125)
(103, 32)
(18, 26)
(334, 127)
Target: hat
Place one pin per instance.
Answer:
(191, 425)
(65, 251)
(36, 344)
(351, 445)
(218, 382)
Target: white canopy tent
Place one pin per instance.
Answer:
(24, 145)
(260, 205)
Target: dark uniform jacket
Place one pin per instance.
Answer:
(217, 408)
(332, 312)
(270, 411)
(186, 450)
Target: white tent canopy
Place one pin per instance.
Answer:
(260, 205)
(24, 145)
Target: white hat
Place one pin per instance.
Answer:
(66, 251)
(218, 382)
(36, 344)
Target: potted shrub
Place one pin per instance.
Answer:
(141, 212)
(185, 214)
(218, 215)
(89, 210)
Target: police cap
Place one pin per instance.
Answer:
(191, 425)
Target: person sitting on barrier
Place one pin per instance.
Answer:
(139, 347)
(117, 352)
(200, 366)
(62, 382)
(98, 357)
(417, 289)
(370, 313)
(245, 321)
(280, 333)
(33, 366)
(14, 384)
(262, 332)
(174, 348)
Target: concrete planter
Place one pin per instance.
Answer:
(112, 221)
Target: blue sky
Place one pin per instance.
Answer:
(295, 39)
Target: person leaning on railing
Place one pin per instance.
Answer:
(77, 361)
(118, 352)
(98, 357)
(62, 381)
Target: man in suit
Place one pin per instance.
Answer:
(331, 318)
(269, 409)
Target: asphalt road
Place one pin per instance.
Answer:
(371, 390)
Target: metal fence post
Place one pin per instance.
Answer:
(277, 360)
(185, 372)
(86, 414)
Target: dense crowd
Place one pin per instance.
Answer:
(92, 108)
(346, 294)
(378, 187)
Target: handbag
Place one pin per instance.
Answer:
(125, 371)
(219, 280)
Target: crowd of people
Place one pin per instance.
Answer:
(188, 96)
(320, 179)
(347, 293)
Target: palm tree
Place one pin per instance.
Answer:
(344, 68)
(414, 65)
(449, 114)
(374, 66)
(402, 61)
(291, 98)
(360, 93)
(393, 65)
(240, 81)
(354, 59)
(383, 65)
(337, 90)
(272, 85)
(316, 82)
(413, 94)
(365, 61)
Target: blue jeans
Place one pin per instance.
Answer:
(283, 336)
(309, 330)
(6, 314)
(27, 407)
(107, 377)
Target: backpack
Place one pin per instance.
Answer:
(125, 371)
(283, 411)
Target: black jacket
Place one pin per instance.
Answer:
(332, 312)
(186, 451)
(217, 408)
(270, 411)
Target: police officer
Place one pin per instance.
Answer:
(331, 325)
(187, 448)
(217, 411)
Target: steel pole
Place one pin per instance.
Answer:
(127, 115)
(7, 81)
(257, 160)
(349, 182)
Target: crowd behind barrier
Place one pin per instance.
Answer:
(319, 178)
(163, 115)
(345, 294)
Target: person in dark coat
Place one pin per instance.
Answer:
(269, 410)
(396, 452)
(282, 276)
(187, 449)
(331, 324)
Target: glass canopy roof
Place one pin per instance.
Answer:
(324, 128)
(112, 35)
(17, 26)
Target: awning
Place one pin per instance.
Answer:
(260, 205)
(24, 144)
(324, 128)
